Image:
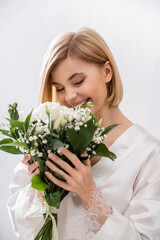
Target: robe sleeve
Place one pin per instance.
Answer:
(141, 220)
(25, 209)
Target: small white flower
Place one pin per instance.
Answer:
(49, 151)
(85, 125)
(40, 154)
(59, 151)
(94, 152)
(30, 138)
(36, 144)
(33, 152)
(44, 141)
(77, 128)
(34, 137)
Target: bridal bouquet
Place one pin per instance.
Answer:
(47, 128)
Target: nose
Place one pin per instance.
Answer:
(70, 95)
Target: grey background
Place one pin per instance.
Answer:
(131, 30)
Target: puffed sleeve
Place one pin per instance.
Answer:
(141, 220)
(25, 209)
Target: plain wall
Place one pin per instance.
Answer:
(131, 30)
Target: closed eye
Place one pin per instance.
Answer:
(59, 90)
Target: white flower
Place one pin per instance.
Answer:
(54, 113)
(94, 152)
(33, 153)
(44, 141)
(40, 154)
(56, 123)
(36, 144)
(30, 138)
(21, 116)
(49, 151)
(77, 128)
(34, 137)
(62, 121)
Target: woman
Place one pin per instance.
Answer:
(108, 200)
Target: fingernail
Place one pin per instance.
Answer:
(51, 155)
(84, 155)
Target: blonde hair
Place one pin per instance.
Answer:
(85, 44)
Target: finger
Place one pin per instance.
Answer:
(72, 157)
(26, 159)
(32, 167)
(37, 171)
(84, 154)
(57, 181)
(87, 163)
(71, 171)
(57, 170)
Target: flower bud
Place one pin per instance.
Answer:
(99, 123)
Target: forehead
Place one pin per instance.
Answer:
(70, 66)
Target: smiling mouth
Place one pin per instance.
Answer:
(80, 103)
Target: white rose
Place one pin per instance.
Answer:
(35, 115)
(43, 114)
(54, 113)
(56, 123)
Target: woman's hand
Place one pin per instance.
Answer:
(78, 179)
(33, 168)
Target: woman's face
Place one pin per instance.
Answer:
(77, 81)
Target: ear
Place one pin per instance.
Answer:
(107, 72)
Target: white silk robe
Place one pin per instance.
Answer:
(131, 184)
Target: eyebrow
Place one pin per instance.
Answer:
(70, 78)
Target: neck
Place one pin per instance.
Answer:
(111, 115)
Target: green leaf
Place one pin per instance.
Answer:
(33, 131)
(6, 132)
(109, 128)
(86, 134)
(13, 111)
(16, 123)
(9, 149)
(87, 104)
(58, 144)
(102, 150)
(73, 138)
(54, 135)
(38, 184)
(41, 163)
(15, 144)
(27, 120)
(53, 199)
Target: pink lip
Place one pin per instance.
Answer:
(77, 103)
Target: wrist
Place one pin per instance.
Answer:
(87, 196)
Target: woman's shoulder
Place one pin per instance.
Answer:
(145, 139)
